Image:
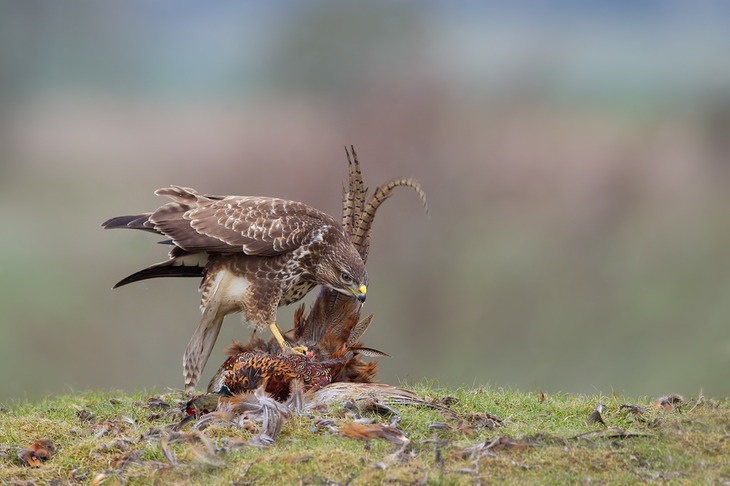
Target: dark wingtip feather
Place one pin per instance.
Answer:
(118, 222)
(156, 271)
(134, 221)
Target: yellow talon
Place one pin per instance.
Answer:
(284, 345)
(299, 350)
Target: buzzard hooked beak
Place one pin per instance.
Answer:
(361, 293)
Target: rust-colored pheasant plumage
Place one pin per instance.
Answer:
(260, 364)
(245, 371)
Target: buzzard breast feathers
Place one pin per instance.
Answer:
(263, 226)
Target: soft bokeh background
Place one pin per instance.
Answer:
(576, 157)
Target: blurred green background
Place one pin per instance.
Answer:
(576, 157)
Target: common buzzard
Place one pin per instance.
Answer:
(254, 254)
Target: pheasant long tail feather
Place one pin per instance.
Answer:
(353, 203)
(381, 393)
(354, 199)
(347, 206)
(361, 236)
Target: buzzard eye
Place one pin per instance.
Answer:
(346, 277)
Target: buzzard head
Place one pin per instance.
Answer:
(343, 270)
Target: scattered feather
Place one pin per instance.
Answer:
(364, 420)
(183, 422)
(262, 406)
(298, 459)
(99, 479)
(439, 459)
(439, 426)
(446, 401)
(489, 448)
(395, 421)
(483, 420)
(373, 431)
(38, 452)
(157, 404)
(610, 433)
(327, 424)
(120, 463)
(504, 442)
(595, 416)
(635, 409)
(85, 416)
(167, 452)
(248, 409)
(219, 417)
(668, 402)
(200, 445)
(78, 474)
(296, 402)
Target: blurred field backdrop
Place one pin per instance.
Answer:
(576, 157)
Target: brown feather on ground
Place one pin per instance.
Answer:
(359, 431)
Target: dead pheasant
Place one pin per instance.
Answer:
(331, 330)
(244, 371)
(257, 365)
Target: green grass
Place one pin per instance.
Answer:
(114, 437)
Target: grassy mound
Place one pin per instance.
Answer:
(494, 435)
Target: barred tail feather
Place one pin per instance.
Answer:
(201, 345)
(361, 232)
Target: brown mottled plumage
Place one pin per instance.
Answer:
(254, 254)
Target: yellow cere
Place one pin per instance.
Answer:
(363, 289)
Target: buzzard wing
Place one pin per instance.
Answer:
(229, 224)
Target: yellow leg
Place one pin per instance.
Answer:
(284, 345)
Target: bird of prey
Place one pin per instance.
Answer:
(254, 254)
